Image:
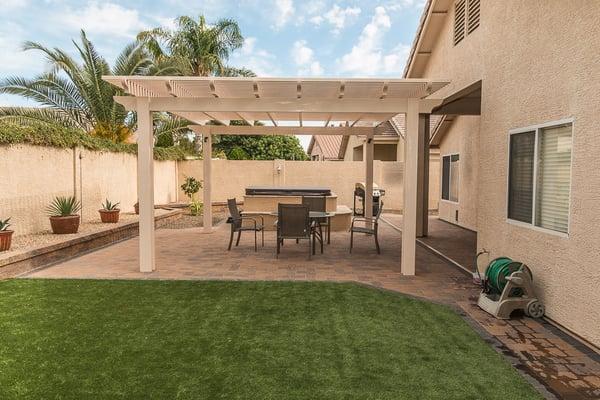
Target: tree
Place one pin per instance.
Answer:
(197, 48)
(73, 94)
(260, 147)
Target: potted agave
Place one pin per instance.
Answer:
(109, 212)
(5, 235)
(63, 215)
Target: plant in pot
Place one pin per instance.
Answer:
(5, 235)
(63, 215)
(110, 212)
(136, 207)
(190, 187)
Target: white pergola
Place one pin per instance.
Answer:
(312, 104)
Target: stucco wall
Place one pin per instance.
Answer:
(462, 138)
(231, 177)
(32, 176)
(537, 62)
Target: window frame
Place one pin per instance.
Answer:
(537, 128)
(456, 153)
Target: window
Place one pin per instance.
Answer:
(450, 168)
(539, 176)
(466, 18)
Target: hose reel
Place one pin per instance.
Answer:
(507, 286)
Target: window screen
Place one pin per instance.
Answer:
(553, 178)
(446, 177)
(520, 176)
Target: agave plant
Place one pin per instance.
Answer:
(108, 206)
(4, 224)
(63, 206)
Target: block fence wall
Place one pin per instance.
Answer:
(31, 176)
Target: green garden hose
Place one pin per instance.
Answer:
(498, 270)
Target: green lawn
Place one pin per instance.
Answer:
(73, 339)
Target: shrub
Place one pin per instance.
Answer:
(4, 224)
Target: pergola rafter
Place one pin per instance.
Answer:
(321, 100)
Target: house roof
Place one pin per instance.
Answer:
(329, 145)
(430, 25)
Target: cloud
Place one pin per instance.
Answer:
(397, 5)
(13, 59)
(304, 58)
(11, 5)
(337, 17)
(108, 19)
(284, 11)
(260, 61)
(367, 56)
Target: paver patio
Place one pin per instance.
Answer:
(567, 368)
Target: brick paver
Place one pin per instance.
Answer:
(567, 369)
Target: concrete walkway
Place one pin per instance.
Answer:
(563, 366)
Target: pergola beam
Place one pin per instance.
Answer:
(281, 130)
(242, 105)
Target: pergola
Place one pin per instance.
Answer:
(298, 101)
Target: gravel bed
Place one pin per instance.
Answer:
(189, 221)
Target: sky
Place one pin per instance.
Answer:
(281, 37)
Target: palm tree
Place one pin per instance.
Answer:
(197, 48)
(74, 95)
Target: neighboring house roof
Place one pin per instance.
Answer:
(329, 145)
(390, 130)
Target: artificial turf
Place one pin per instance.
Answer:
(80, 339)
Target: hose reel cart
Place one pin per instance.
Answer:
(508, 286)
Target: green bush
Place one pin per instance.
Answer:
(45, 135)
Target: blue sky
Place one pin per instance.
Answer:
(282, 37)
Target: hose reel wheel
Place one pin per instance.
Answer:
(535, 309)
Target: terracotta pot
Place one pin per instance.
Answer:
(64, 225)
(109, 216)
(5, 240)
(136, 207)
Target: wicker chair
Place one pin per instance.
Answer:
(236, 220)
(293, 222)
(368, 230)
(319, 203)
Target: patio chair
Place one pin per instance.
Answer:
(370, 228)
(293, 222)
(237, 225)
(319, 203)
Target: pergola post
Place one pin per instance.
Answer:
(409, 217)
(145, 176)
(207, 164)
(423, 177)
(369, 149)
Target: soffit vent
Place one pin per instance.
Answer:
(473, 15)
(459, 21)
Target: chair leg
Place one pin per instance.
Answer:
(237, 242)
(322, 238)
(310, 249)
(313, 238)
(329, 231)
(351, 240)
(230, 240)
(278, 248)
(262, 232)
(377, 243)
(255, 241)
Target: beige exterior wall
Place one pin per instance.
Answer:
(462, 139)
(549, 76)
(32, 176)
(231, 177)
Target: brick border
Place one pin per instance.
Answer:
(41, 257)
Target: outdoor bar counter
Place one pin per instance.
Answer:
(262, 200)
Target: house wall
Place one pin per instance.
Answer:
(537, 64)
(462, 138)
(33, 175)
(384, 152)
